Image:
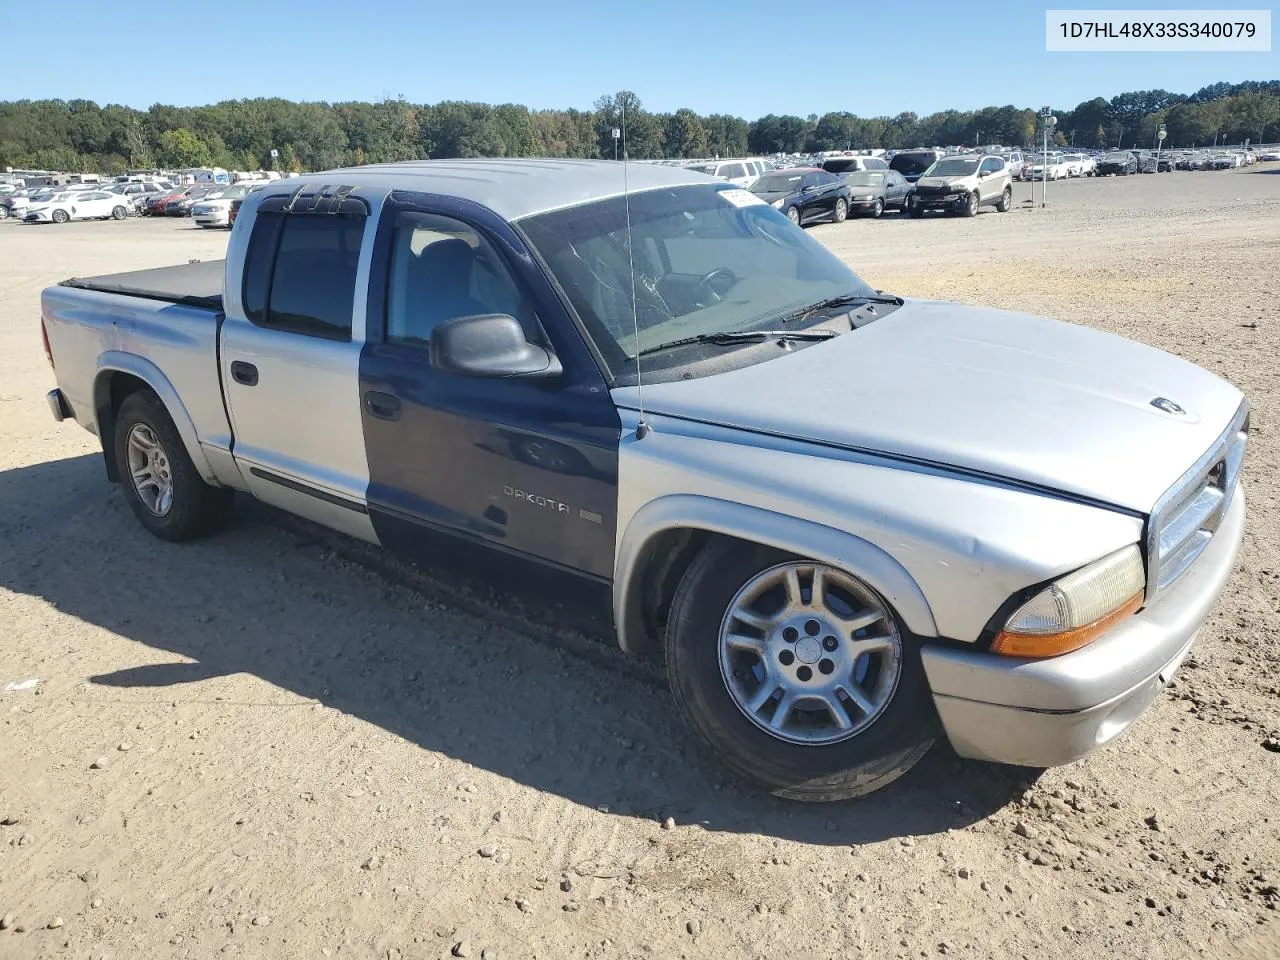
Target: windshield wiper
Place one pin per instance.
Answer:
(844, 300)
(729, 338)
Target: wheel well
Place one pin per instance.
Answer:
(109, 392)
(665, 558)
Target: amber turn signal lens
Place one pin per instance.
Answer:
(1055, 644)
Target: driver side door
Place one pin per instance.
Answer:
(989, 185)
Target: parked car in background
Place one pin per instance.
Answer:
(912, 163)
(963, 184)
(874, 191)
(215, 211)
(805, 194)
(1165, 163)
(1224, 161)
(848, 524)
(1121, 164)
(137, 192)
(1146, 161)
(1056, 166)
(78, 205)
(741, 173)
(17, 203)
(1014, 160)
(840, 165)
(157, 205)
(1080, 164)
(182, 206)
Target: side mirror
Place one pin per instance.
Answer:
(489, 345)
(983, 174)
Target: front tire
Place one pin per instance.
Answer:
(970, 209)
(119, 213)
(877, 208)
(793, 214)
(161, 484)
(60, 216)
(842, 211)
(855, 712)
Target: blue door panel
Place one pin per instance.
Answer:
(527, 466)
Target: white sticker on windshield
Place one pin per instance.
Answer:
(741, 198)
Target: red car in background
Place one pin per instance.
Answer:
(157, 206)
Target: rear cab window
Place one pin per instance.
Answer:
(300, 267)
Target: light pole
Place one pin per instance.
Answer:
(1047, 120)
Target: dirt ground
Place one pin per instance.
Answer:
(273, 744)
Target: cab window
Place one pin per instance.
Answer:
(442, 268)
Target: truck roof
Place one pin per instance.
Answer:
(510, 188)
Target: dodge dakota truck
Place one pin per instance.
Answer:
(850, 523)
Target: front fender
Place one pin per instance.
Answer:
(946, 550)
(791, 534)
(116, 361)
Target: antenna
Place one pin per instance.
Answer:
(642, 427)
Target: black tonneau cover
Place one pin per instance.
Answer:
(197, 284)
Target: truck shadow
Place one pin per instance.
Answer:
(553, 707)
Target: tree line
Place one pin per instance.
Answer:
(80, 135)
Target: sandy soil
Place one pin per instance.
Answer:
(274, 744)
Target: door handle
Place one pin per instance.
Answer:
(382, 405)
(245, 373)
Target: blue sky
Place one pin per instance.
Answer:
(744, 57)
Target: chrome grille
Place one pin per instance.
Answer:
(1187, 516)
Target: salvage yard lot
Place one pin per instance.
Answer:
(272, 744)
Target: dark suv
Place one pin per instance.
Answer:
(912, 163)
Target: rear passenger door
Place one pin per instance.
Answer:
(289, 355)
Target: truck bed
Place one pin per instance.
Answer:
(197, 284)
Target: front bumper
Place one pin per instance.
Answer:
(1041, 713)
(939, 201)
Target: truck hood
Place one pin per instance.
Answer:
(1019, 397)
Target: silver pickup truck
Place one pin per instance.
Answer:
(851, 523)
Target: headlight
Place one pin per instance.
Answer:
(865, 197)
(777, 204)
(1077, 609)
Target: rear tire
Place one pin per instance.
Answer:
(4, 212)
(914, 210)
(1006, 200)
(148, 447)
(119, 213)
(886, 743)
